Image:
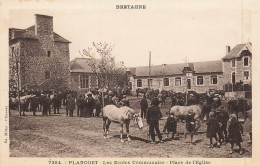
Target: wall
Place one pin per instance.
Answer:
(75, 81)
(158, 83)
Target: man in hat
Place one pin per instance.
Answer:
(153, 116)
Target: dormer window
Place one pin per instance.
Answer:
(49, 53)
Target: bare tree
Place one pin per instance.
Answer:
(108, 72)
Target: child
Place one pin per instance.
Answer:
(212, 128)
(234, 133)
(190, 125)
(170, 126)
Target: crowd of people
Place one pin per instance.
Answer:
(221, 127)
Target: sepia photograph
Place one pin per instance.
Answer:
(129, 79)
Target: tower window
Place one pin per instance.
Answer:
(49, 53)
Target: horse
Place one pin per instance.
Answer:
(24, 103)
(121, 115)
(182, 111)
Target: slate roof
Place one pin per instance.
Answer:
(236, 51)
(29, 33)
(177, 69)
(80, 65)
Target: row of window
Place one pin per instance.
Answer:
(178, 82)
(84, 80)
(233, 77)
(246, 62)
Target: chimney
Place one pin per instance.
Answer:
(43, 26)
(227, 49)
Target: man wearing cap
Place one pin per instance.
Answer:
(153, 116)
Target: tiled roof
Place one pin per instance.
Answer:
(236, 51)
(80, 65)
(29, 33)
(208, 67)
(176, 69)
(58, 38)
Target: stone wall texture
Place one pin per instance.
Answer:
(35, 62)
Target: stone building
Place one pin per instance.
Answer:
(82, 76)
(237, 64)
(38, 57)
(196, 76)
(201, 77)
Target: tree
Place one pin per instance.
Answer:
(15, 75)
(108, 72)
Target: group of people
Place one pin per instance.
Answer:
(221, 127)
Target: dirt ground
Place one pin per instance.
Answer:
(61, 136)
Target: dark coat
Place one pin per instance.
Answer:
(56, 101)
(80, 103)
(189, 119)
(170, 125)
(234, 131)
(153, 115)
(212, 127)
(70, 103)
(144, 104)
(34, 103)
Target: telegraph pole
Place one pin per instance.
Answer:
(149, 69)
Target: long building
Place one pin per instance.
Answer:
(234, 67)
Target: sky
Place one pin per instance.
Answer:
(171, 34)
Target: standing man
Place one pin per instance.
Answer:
(33, 104)
(144, 107)
(153, 116)
(80, 106)
(48, 102)
(55, 103)
(70, 105)
(44, 102)
(90, 104)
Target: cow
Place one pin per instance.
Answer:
(121, 115)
